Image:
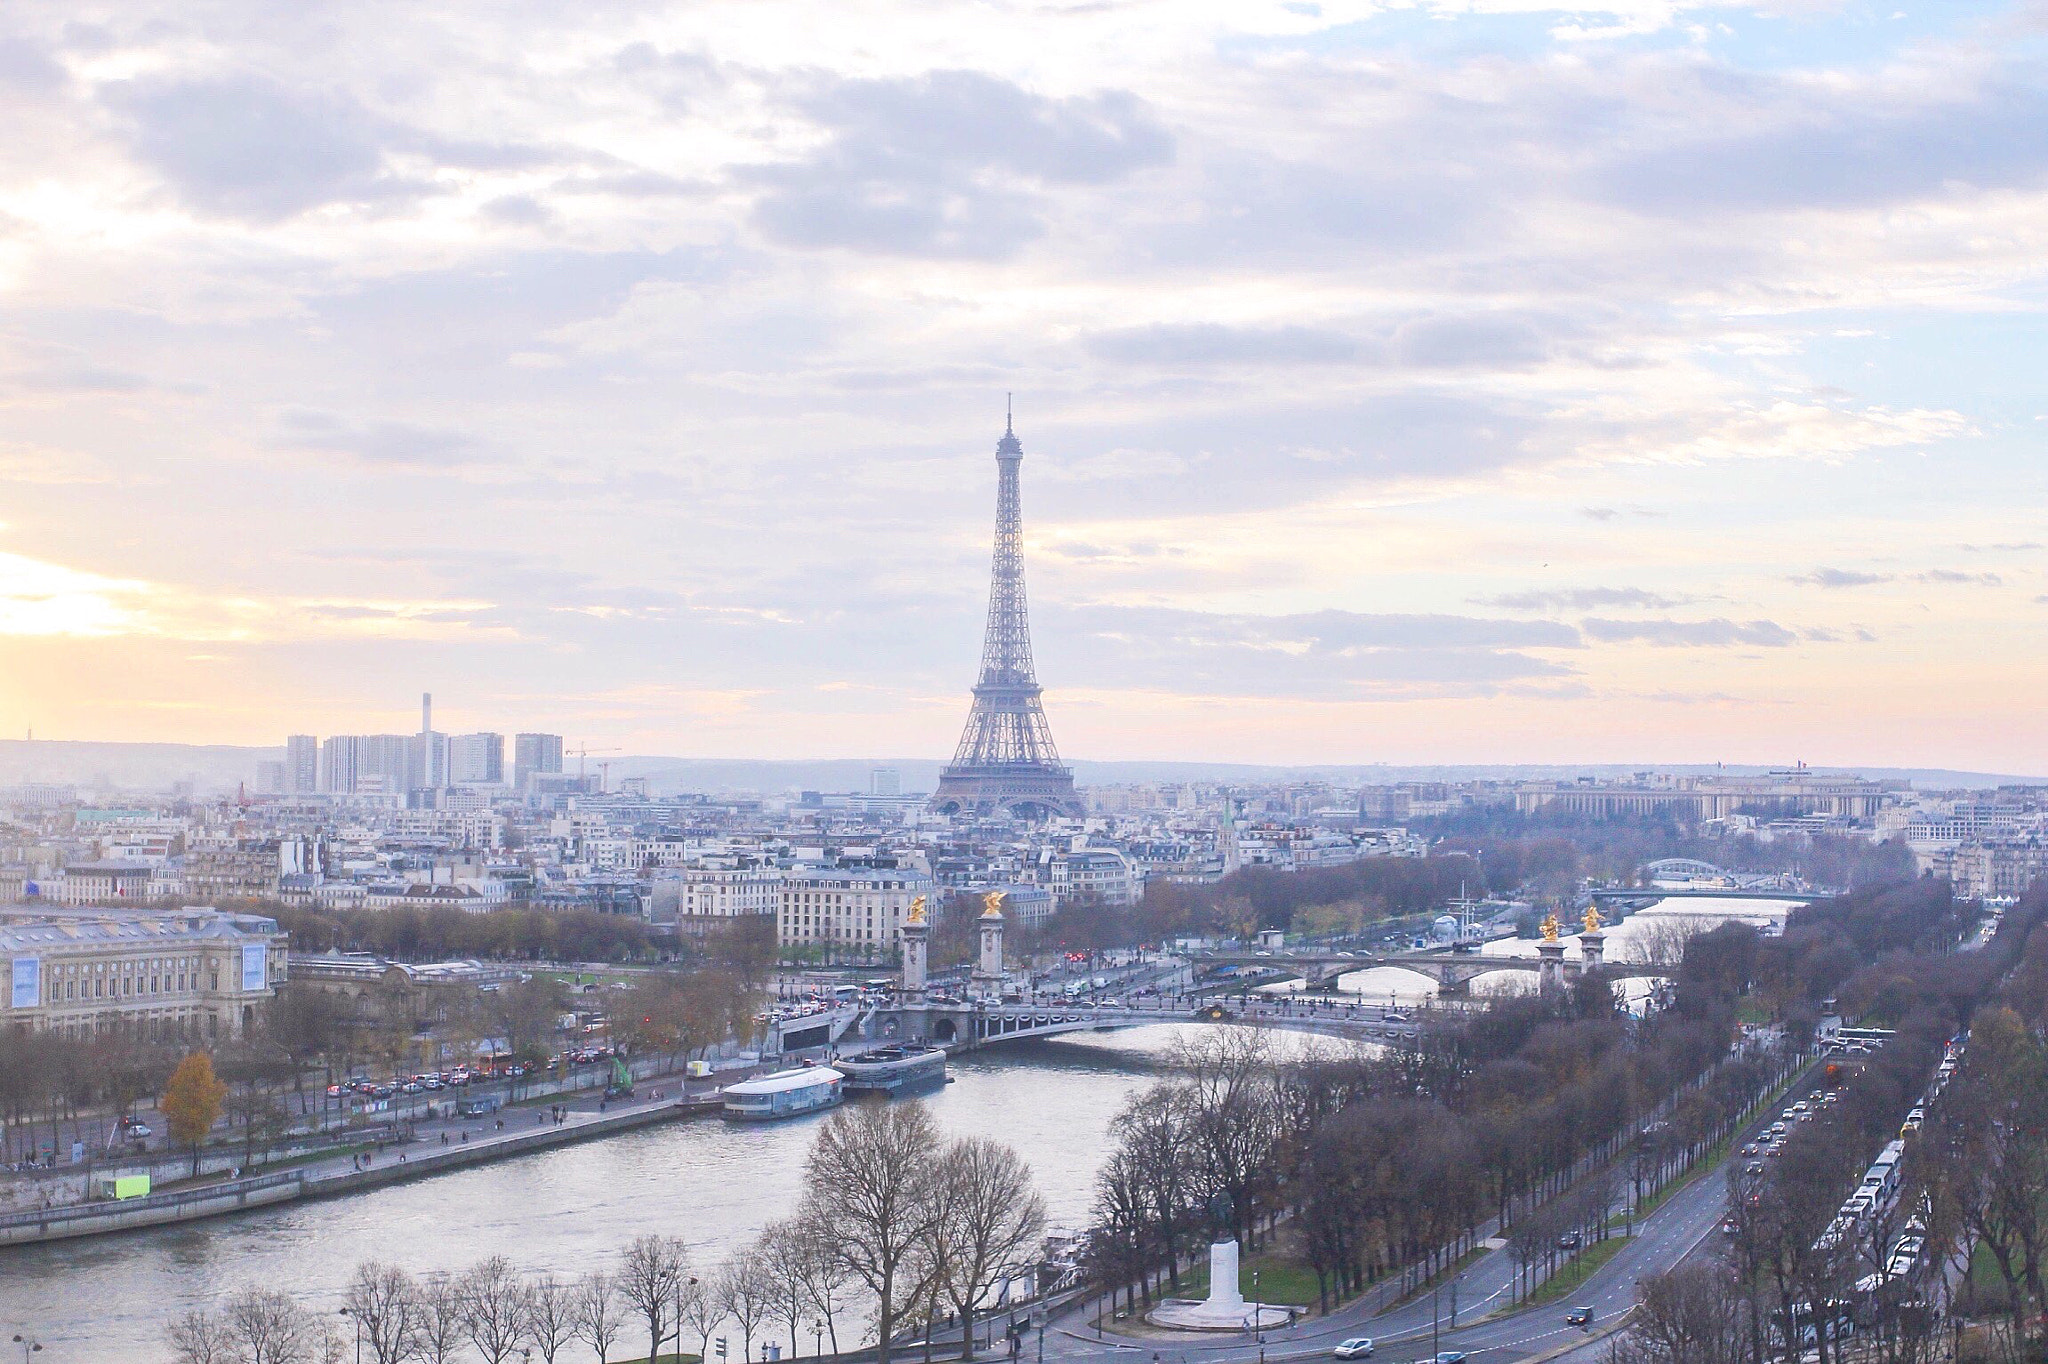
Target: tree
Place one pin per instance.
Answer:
(385, 1303)
(598, 1320)
(987, 1221)
(1689, 1315)
(271, 1328)
(551, 1315)
(192, 1102)
(201, 1337)
(747, 1294)
(870, 1180)
(650, 1278)
(494, 1308)
(438, 1336)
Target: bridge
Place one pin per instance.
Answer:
(1648, 893)
(1453, 972)
(962, 1027)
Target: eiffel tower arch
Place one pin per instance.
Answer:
(1006, 763)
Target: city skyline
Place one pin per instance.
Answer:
(1453, 381)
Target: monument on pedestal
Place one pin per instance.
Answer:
(917, 934)
(1593, 943)
(1550, 957)
(988, 971)
(1225, 1308)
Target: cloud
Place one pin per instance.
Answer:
(1583, 599)
(1215, 344)
(246, 146)
(1950, 577)
(388, 443)
(1841, 577)
(1692, 634)
(948, 164)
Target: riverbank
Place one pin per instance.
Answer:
(335, 1176)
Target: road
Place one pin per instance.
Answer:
(1489, 1330)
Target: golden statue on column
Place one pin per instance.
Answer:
(1550, 927)
(1592, 918)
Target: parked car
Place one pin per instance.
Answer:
(1450, 1357)
(1358, 1347)
(1579, 1316)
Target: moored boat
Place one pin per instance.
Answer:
(905, 1065)
(785, 1094)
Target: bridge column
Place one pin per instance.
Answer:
(916, 939)
(988, 972)
(1593, 947)
(1550, 966)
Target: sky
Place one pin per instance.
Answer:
(1399, 380)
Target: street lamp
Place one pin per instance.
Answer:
(29, 1345)
(818, 1338)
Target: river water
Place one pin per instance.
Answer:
(712, 1183)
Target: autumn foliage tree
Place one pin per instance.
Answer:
(192, 1102)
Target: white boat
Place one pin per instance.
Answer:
(785, 1094)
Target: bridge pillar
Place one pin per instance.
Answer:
(1593, 948)
(988, 972)
(916, 939)
(1550, 966)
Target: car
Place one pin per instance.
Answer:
(1358, 1347)
(1450, 1357)
(1728, 1226)
(1568, 1241)
(1579, 1316)
(1755, 1167)
(1750, 1149)
(134, 1129)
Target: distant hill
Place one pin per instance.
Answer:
(214, 769)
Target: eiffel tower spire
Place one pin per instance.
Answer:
(1006, 762)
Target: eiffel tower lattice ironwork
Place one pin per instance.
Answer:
(1006, 762)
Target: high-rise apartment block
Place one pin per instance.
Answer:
(476, 759)
(534, 754)
(301, 765)
(367, 764)
(885, 781)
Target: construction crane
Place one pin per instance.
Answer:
(584, 752)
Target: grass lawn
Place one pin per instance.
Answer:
(1749, 1010)
(1282, 1279)
(1566, 1281)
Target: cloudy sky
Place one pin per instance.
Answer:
(1416, 380)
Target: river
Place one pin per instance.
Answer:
(712, 1183)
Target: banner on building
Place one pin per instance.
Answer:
(28, 982)
(255, 970)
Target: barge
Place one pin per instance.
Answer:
(887, 1070)
(785, 1094)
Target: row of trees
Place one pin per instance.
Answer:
(902, 1229)
(1794, 1280)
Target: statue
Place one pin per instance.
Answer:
(916, 911)
(1592, 918)
(1550, 927)
(992, 905)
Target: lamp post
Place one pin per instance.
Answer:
(1258, 1317)
(29, 1345)
(818, 1338)
(1038, 1320)
(357, 1322)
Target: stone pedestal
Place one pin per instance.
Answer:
(1225, 1308)
(1550, 966)
(916, 941)
(1593, 947)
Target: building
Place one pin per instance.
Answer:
(368, 764)
(102, 883)
(695, 898)
(885, 781)
(534, 754)
(1790, 791)
(476, 759)
(1091, 875)
(854, 909)
(166, 971)
(301, 765)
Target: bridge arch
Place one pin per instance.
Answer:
(1689, 867)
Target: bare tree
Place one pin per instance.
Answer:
(271, 1328)
(825, 1276)
(870, 1178)
(649, 1279)
(1691, 1315)
(599, 1319)
(384, 1303)
(747, 1294)
(551, 1314)
(698, 1307)
(494, 1308)
(437, 1337)
(988, 1220)
(201, 1337)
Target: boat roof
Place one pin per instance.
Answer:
(805, 1077)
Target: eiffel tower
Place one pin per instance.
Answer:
(1006, 763)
